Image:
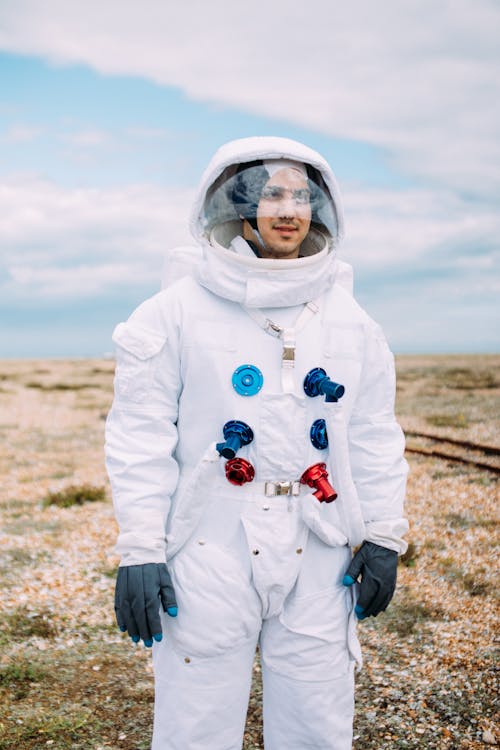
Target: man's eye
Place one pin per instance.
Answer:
(272, 193)
(302, 196)
(277, 193)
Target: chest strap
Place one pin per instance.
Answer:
(287, 336)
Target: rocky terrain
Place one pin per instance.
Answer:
(70, 680)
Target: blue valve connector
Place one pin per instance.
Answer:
(236, 434)
(317, 382)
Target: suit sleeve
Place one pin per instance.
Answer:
(141, 434)
(376, 445)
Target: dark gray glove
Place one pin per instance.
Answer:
(378, 569)
(138, 592)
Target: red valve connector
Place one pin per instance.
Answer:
(317, 476)
(239, 471)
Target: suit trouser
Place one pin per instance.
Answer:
(203, 666)
(202, 706)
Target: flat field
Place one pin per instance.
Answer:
(70, 681)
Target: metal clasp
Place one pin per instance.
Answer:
(272, 489)
(274, 327)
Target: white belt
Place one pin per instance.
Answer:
(291, 488)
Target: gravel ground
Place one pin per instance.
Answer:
(68, 679)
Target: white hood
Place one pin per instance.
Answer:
(264, 282)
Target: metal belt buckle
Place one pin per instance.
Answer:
(281, 488)
(277, 488)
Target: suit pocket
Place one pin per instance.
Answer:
(218, 607)
(137, 348)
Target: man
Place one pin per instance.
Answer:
(251, 448)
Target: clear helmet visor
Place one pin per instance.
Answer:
(272, 195)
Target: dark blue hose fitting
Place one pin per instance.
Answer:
(236, 434)
(317, 382)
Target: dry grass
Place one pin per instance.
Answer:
(75, 495)
(69, 680)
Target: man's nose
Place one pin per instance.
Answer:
(287, 207)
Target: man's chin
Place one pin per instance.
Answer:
(281, 252)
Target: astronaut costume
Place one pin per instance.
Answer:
(251, 446)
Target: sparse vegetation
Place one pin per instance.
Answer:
(474, 583)
(102, 371)
(75, 495)
(447, 420)
(467, 379)
(409, 558)
(23, 624)
(406, 614)
(459, 520)
(59, 386)
(19, 677)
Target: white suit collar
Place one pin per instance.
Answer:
(259, 282)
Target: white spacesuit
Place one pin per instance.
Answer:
(248, 394)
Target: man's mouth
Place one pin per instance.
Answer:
(285, 228)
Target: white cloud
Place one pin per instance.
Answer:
(61, 243)
(418, 78)
(456, 313)
(421, 267)
(87, 138)
(425, 266)
(84, 241)
(81, 280)
(148, 134)
(406, 227)
(20, 134)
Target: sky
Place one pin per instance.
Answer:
(110, 110)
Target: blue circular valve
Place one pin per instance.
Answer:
(319, 435)
(313, 380)
(247, 380)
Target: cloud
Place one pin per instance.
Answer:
(427, 266)
(59, 242)
(20, 134)
(440, 313)
(422, 269)
(419, 79)
(128, 137)
(87, 138)
(417, 225)
(80, 280)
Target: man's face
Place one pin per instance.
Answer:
(284, 214)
